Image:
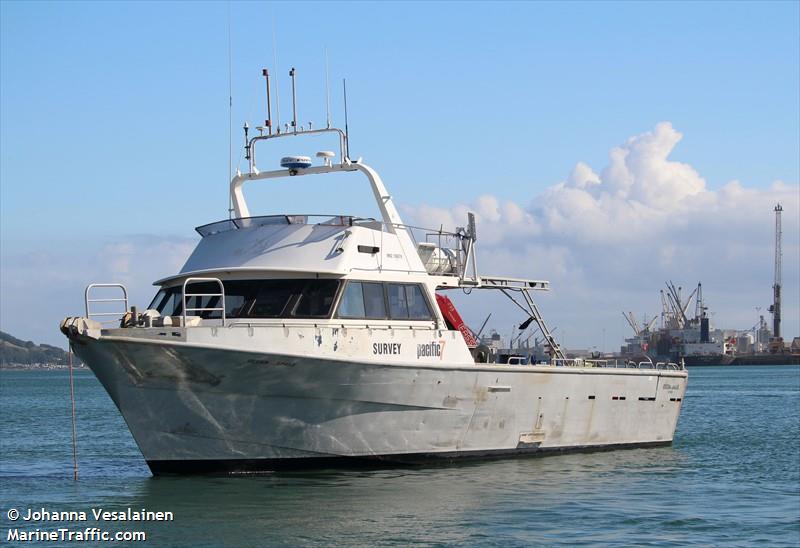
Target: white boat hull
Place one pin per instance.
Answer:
(198, 409)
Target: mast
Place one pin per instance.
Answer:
(776, 287)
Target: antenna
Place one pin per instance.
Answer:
(327, 92)
(346, 130)
(277, 88)
(472, 234)
(230, 112)
(268, 121)
(294, 101)
(246, 129)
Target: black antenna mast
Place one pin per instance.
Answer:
(294, 102)
(268, 121)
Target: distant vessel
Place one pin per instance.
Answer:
(708, 359)
(788, 358)
(680, 337)
(295, 340)
(691, 339)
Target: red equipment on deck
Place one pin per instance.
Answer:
(454, 321)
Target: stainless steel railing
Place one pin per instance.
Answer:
(88, 301)
(221, 295)
(622, 364)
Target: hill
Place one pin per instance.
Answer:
(16, 351)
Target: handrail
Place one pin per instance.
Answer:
(606, 363)
(221, 294)
(87, 300)
(344, 146)
(288, 219)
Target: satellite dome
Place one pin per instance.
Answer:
(296, 162)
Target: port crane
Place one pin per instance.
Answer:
(674, 308)
(776, 343)
(637, 330)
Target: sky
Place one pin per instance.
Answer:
(606, 147)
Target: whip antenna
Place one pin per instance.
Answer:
(268, 121)
(294, 101)
(230, 112)
(327, 92)
(346, 130)
(277, 88)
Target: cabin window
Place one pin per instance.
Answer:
(406, 301)
(363, 300)
(272, 298)
(398, 305)
(200, 305)
(352, 303)
(158, 302)
(374, 301)
(369, 300)
(167, 302)
(234, 305)
(417, 304)
(316, 299)
(301, 298)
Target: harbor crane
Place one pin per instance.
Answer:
(776, 344)
(637, 330)
(674, 306)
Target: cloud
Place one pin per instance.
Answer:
(42, 286)
(608, 240)
(637, 194)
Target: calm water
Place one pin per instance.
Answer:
(732, 478)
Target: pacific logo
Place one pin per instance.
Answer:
(431, 350)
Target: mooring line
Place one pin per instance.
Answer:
(74, 430)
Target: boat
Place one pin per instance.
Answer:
(306, 341)
(764, 358)
(695, 360)
(681, 338)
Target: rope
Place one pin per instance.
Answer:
(74, 429)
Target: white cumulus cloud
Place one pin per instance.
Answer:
(608, 239)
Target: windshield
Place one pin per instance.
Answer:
(252, 299)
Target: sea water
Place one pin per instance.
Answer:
(731, 478)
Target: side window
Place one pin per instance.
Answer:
(417, 305)
(168, 302)
(352, 303)
(374, 303)
(240, 296)
(366, 300)
(159, 300)
(234, 305)
(316, 298)
(273, 297)
(174, 306)
(398, 306)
